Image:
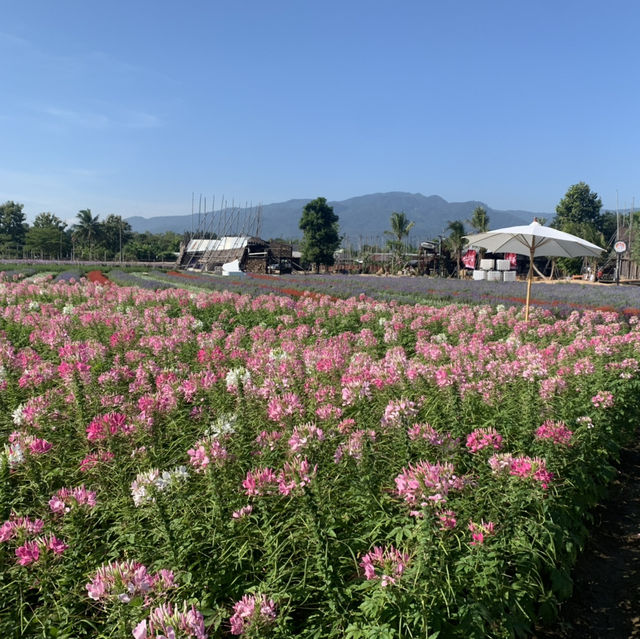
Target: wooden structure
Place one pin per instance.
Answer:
(253, 254)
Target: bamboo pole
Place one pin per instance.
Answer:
(529, 280)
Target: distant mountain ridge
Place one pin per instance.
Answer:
(365, 217)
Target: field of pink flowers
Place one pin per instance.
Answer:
(179, 464)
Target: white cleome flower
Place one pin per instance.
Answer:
(237, 376)
(18, 415)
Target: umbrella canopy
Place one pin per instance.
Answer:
(533, 240)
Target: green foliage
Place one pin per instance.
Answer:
(114, 234)
(48, 238)
(400, 228)
(85, 233)
(147, 247)
(13, 228)
(578, 213)
(479, 220)
(321, 239)
(579, 206)
(455, 241)
(165, 358)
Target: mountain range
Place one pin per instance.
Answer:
(365, 217)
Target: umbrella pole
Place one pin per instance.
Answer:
(529, 280)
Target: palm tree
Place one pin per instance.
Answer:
(479, 220)
(480, 223)
(456, 241)
(87, 230)
(400, 227)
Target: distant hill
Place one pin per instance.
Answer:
(365, 217)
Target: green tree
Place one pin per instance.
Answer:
(319, 225)
(455, 241)
(579, 206)
(479, 220)
(578, 213)
(114, 234)
(400, 227)
(13, 228)
(480, 223)
(86, 232)
(47, 237)
(149, 247)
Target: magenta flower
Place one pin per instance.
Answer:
(66, 498)
(524, 467)
(95, 459)
(447, 520)
(557, 432)
(242, 512)
(252, 612)
(484, 438)
(15, 525)
(55, 545)
(262, 481)
(22, 444)
(28, 553)
(425, 484)
(207, 451)
(295, 475)
(31, 551)
(123, 580)
(384, 563)
(268, 439)
(39, 446)
(354, 445)
(602, 399)
(108, 425)
(480, 531)
(432, 436)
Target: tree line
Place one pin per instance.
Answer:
(89, 238)
(579, 212)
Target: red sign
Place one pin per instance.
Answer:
(513, 259)
(469, 259)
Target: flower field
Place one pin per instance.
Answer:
(203, 464)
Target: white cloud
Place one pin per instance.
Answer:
(110, 117)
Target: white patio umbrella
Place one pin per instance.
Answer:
(533, 240)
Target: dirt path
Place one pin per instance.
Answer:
(606, 601)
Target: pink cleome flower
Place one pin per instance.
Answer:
(66, 498)
(28, 553)
(95, 459)
(108, 425)
(524, 467)
(205, 452)
(484, 438)
(447, 520)
(168, 622)
(557, 432)
(602, 399)
(294, 476)
(398, 412)
(423, 484)
(252, 613)
(389, 561)
(124, 580)
(15, 526)
(480, 531)
(31, 551)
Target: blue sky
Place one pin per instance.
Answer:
(130, 107)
